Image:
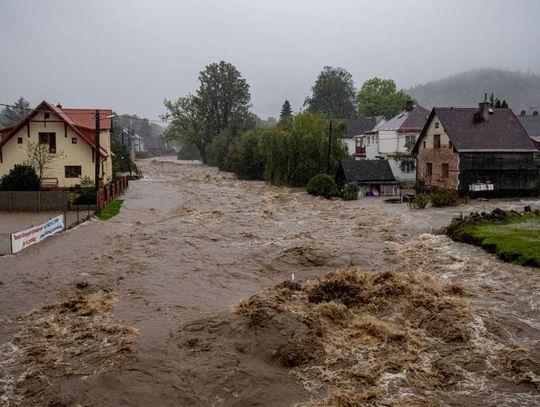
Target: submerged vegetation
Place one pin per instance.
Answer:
(511, 236)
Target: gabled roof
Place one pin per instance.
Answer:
(79, 120)
(357, 127)
(364, 171)
(411, 121)
(501, 132)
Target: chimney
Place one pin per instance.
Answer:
(535, 113)
(59, 106)
(522, 113)
(483, 112)
(409, 105)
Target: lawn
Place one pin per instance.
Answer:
(515, 240)
(110, 210)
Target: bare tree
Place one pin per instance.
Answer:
(39, 156)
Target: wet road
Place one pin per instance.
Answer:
(191, 241)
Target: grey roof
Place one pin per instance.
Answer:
(412, 121)
(364, 171)
(502, 131)
(357, 127)
(531, 125)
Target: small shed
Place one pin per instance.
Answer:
(374, 177)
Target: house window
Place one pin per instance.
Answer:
(437, 141)
(407, 166)
(424, 144)
(19, 140)
(409, 140)
(46, 115)
(74, 140)
(436, 125)
(72, 171)
(50, 139)
(450, 144)
(445, 170)
(429, 169)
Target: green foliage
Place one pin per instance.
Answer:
(380, 97)
(322, 185)
(88, 195)
(420, 201)
(286, 110)
(246, 156)
(122, 162)
(14, 114)
(221, 104)
(516, 240)
(20, 178)
(110, 210)
(444, 197)
(333, 94)
(504, 105)
(218, 151)
(349, 191)
(188, 152)
(296, 150)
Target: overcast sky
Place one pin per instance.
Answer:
(129, 55)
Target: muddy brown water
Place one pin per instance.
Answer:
(190, 243)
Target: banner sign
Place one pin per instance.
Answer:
(35, 234)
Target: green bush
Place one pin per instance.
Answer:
(444, 197)
(349, 192)
(218, 150)
(245, 157)
(20, 178)
(322, 185)
(420, 201)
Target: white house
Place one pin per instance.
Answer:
(396, 137)
(356, 128)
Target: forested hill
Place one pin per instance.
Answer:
(520, 90)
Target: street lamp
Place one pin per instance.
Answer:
(98, 155)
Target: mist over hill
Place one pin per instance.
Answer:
(520, 90)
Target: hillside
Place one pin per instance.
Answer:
(520, 90)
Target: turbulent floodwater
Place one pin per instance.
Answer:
(136, 310)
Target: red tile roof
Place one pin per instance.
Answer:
(81, 121)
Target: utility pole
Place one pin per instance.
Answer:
(329, 146)
(98, 156)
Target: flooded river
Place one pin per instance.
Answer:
(98, 315)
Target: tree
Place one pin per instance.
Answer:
(122, 161)
(40, 158)
(296, 149)
(285, 110)
(504, 105)
(20, 178)
(221, 104)
(498, 104)
(14, 114)
(380, 97)
(333, 94)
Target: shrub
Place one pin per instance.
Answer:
(20, 178)
(245, 157)
(349, 192)
(88, 196)
(444, 197)
(420, 201)
(322, 185)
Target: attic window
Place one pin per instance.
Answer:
(74, 140)
(19, 140)
(46, 115)
(437, 141)
(450, 144)
(436, 125)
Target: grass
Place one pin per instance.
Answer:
(110, 210)
(516, 240)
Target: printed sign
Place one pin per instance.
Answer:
(35, 234)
